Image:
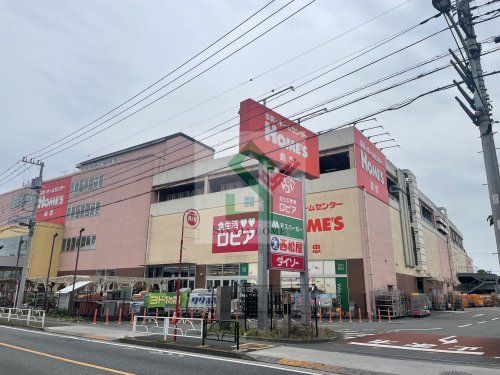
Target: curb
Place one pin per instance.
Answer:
(314, 366)
(187, 348)
(291, 341)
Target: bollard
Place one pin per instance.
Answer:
(120, 315)
(389, 314)
(132, 318)
(359, 315)
(320, 316)
(94, 322)
(330, 320)
(107, 316)
(379, 316)
(157, 313)
(369, 316)
(340, 315)
(350, 316)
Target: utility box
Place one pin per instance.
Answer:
(224, 303)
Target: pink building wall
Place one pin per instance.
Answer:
(444, 258)
(121, 229)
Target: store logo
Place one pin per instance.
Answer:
(275, 244)
(288, 185)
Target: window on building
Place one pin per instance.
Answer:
(181, 191)
(334, 162)
(99, 163)
(231, 182)
(105, 272)
(456, 239)
(391, 185)
(86, 184)
(83, 210)
(71, 244)
(426, 214)
(249, 201)
(22, 200)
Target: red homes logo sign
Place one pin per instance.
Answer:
(265, 132)
(53, 201)
(370, 165)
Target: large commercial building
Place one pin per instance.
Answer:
(369, 226)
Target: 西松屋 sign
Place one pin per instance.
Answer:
(235, 233)
(265, 132)
(370, 166)
(53, 201)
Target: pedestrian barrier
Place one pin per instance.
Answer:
(28, 315)
(222, 330)
(169, 326)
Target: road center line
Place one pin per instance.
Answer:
(465, 325)
(175, 352)
(495, 318)
(484, 321)
(477, 315)
(62, 359)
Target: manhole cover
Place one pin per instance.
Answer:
(456, 373)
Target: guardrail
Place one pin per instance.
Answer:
(28, 315)
(169, 326)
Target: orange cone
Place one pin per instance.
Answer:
(359, 315)
(330, 318)
(350, 316)
(389, 314)
(369, 316)
(94, 322)
(379, 316)
(107, 316)
(120, 315)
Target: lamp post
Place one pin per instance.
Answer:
(314, 292)
(48, 272)
(21, 241)
(72, 299)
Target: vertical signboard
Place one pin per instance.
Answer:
(342, 292)
(235, 233)
(370, 166)
(287, 224)
(265, 132)
(53, 201)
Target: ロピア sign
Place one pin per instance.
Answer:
(53, 201)
(286, 195)
(370, 166)
(235, 233)
(265, 132)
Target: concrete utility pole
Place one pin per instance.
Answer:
(36, 184)
(471, 73)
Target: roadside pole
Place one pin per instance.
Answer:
(472, 73)
(305, 312)
(263, 256)
(36, 185)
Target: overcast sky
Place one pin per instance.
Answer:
(65, 63)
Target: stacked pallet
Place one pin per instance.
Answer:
(393, 303)
(439, 301)
(420, 305)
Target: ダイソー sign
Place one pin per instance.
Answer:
(286, 262)
(265, 132)
(370, 166)
(235, 233)
(53, 201)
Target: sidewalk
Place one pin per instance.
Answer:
(343, 363)
(110, 332)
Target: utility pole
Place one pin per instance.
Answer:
(478, 107)
(36, 184)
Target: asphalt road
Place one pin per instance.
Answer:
(467, 337)
(34, 352)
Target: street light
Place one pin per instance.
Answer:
(48, 272)
(442, 6)
(314, 292)
(72, 306)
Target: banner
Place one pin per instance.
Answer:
(265, 132)
(342, 292)
(235, 233)
(168, 300)
(202, 299)
(370, 166)
(53, 201)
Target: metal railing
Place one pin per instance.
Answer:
(169, 326)
(222, 330)
(28, 315)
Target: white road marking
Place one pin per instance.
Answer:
(465, 325)
(173, 352)
(415, 329)
(418, 349)
(477, 315)
(495, 318)
(484, 321)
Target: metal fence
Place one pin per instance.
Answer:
(169, 326)
(222, 330)
(29, 315)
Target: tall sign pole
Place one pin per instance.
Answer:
(305, 311)
(263, 254)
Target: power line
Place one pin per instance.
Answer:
(168, 92)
